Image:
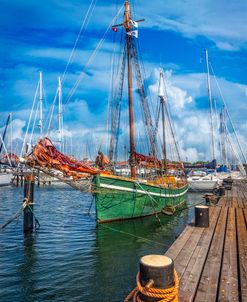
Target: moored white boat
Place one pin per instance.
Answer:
(203, 182)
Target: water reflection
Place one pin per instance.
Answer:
(69, 258)
(27, 268)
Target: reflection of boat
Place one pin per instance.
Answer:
(5, 178)
(119, 198)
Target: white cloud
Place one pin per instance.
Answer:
(222, 23)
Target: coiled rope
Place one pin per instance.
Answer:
(165, 295)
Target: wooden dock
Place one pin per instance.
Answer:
(212, 262)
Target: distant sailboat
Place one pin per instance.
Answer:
(202, 182)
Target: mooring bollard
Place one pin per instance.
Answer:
(222, 191)
(202, 216)
(157, 276)
(28, 209)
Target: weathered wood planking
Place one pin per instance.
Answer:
(242, 252)
(240, 203)
(228, 290)
(191, 277)
(234, 202)
(207, 289)
(183, 258)
(178, 245)
(222, 201)
(212, 262)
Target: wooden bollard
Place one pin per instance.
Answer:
(28, 210)
(156, 271)
(202, 216)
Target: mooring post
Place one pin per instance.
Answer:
(222, 191)
(156, 271)
(28, 199)
(202, 216)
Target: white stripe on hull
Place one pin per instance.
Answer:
(141, 191)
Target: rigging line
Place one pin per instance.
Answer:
(4, 147)
(34, 123)
(132, 235)
(110, 97)
(50, 115)
(82, 29)
(223, 100)
(51, 108)
(91, 58)
(172, 128)
(29, 121)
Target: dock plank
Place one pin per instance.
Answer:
(234, 202)
(240, 202)
(178, 245)
(242, 252)
(222, 201)
(228, 290)
(245, 215)
(191, 276)
(208, 286)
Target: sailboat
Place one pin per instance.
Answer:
(200, 181)
(117, 197)
(120, 198)
(6, 160)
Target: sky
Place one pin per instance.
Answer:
(39, 36)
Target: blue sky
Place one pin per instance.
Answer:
(39, 35)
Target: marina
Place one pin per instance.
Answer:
(123, 167)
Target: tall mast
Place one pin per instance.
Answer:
(11, 135)
(41, 103)
(161, 95)
(128, 27)
(223, 136)
(60, 115)
(210, 104)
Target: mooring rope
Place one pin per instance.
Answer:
(165, 295)
(135, 236)
(25, 203)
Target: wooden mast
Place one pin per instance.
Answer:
(128, 26)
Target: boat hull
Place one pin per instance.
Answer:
(203, 185)
(120, 199)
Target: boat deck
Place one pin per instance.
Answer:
(212, 262)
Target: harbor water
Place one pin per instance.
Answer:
(70, 258)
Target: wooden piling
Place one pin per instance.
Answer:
(28, 198)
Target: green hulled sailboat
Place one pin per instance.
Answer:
(119, 198)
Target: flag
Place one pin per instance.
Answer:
(133, 33)
(134, 23)
(114, 29)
